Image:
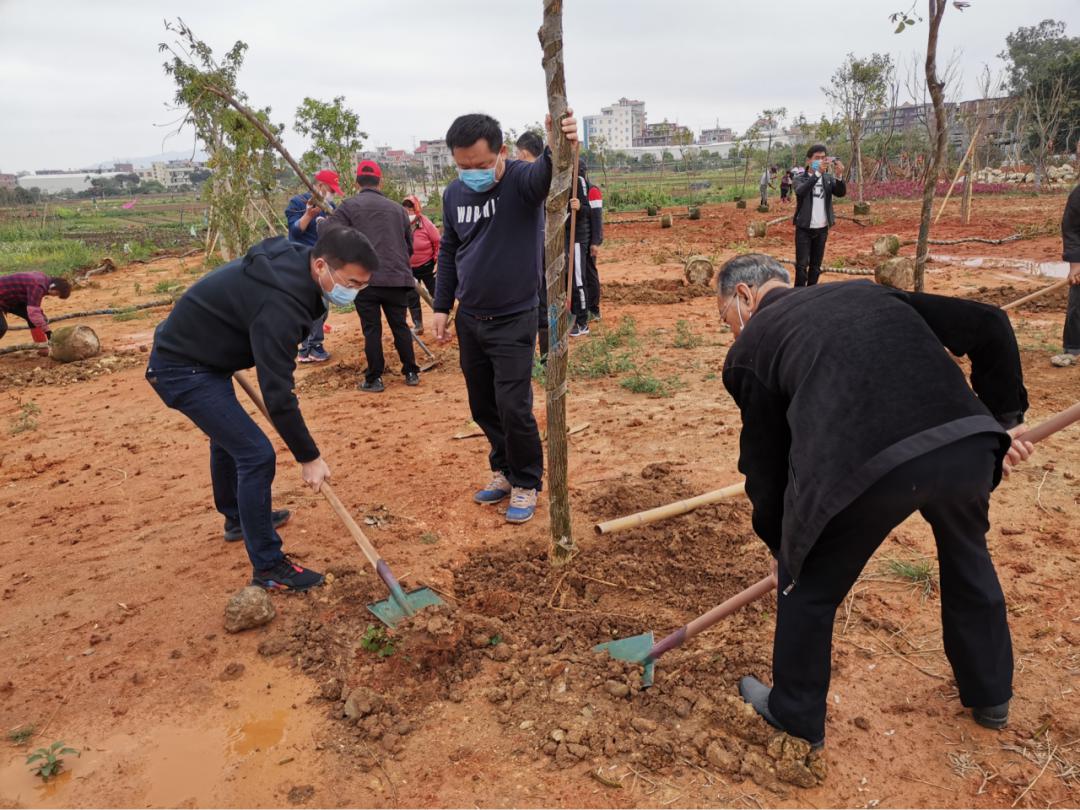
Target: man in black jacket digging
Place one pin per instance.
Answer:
(885, 425)
(252, 312)
(814, 189)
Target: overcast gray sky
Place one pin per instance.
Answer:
(82, 80)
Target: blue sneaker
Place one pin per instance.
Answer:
(318, 354)
(522, 505)
(494, 492)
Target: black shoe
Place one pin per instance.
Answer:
(994, 717)
(287, 576)
(756, 694)
(412, 378)
(372, 386)
(233, 532)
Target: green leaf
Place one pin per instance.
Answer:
(900, 28)
(34, 758)
(70, 751)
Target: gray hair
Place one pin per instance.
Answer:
(751, 269)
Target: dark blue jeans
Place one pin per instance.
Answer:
(242, 459)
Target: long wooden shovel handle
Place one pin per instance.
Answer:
(1037, 294)
(1052, 425)
(671, 509)
(707, 620)
(325, 489)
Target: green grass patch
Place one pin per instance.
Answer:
(685, 338)
(21, 735)
(605, 352)
(55, 257)
(26, 419)
(378, 641)
(919, 573)
(645, 382)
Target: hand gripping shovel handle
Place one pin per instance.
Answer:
(380, 566)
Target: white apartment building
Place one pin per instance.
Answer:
(435, 155)
(618, 125)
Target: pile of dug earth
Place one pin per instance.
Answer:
(522, 633)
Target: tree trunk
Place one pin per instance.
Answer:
(969, 179)
(937, 96)
(555, 272)
(856, 153)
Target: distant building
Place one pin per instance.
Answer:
(125, 168)
(617, 126)
(172, 174)
(8, 180)
(994, 114)
(717, 135)
(664, 134)
(435, 156)
(61, 183)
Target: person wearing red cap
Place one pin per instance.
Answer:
(303, 216)
(425, 251)
(386, 225)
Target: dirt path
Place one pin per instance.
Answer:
(115, 579)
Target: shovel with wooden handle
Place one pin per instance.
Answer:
(643, 649)
(401, 603)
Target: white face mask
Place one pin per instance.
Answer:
(412, 217)
(738, 311)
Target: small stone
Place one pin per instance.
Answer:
(1062, 360)
(250, 607)
(795, 772)
(885, 246)
(527, 724)
(331, 689)
(617, 689)
(301, 794)
(481, 640)
(272, 646)
(550, 748)
(496, 695)
(502, 652)
(579, 751)
(643, 725)
(558, 735)
(862, 723)
(721, 759)
(403, 729)
(898, 272)
(232, 672)
(362, 702)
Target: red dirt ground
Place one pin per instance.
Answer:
(115, 579)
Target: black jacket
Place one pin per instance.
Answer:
(840, 383)
(252, 312)
(804, 196)
(386, 225)
(582, 223)
(1070, 228)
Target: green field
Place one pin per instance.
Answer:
(61, 237)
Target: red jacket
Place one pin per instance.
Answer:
(425, 236)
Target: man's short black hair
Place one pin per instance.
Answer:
(817, 147)
(367, 181)
(408, 204)
(341, 245)
(582, 168)
(61, 285)
(531, 143)
(468, 129)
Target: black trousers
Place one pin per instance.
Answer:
(425, 274)
(497, 361)
(1070, 337)
(592, 283)
(784, 192)
(391, 301)
(809, 252)
(950, 488)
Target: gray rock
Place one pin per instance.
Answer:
(898, 272)
(617, 689)
(1062, 360)
(250, 607)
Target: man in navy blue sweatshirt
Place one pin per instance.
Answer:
(303, 217)
(490, 261)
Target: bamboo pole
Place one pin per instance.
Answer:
(960, 168)
(671, 509)
(1057, 285)
(551, 41)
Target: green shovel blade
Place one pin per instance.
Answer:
(389, 612)
(634, 649)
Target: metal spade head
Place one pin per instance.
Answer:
(390, 611)
(634, 649)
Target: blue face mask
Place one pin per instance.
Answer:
(339, 295)
(479, 179)
(816, 165)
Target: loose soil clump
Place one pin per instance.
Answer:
(658, 291)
